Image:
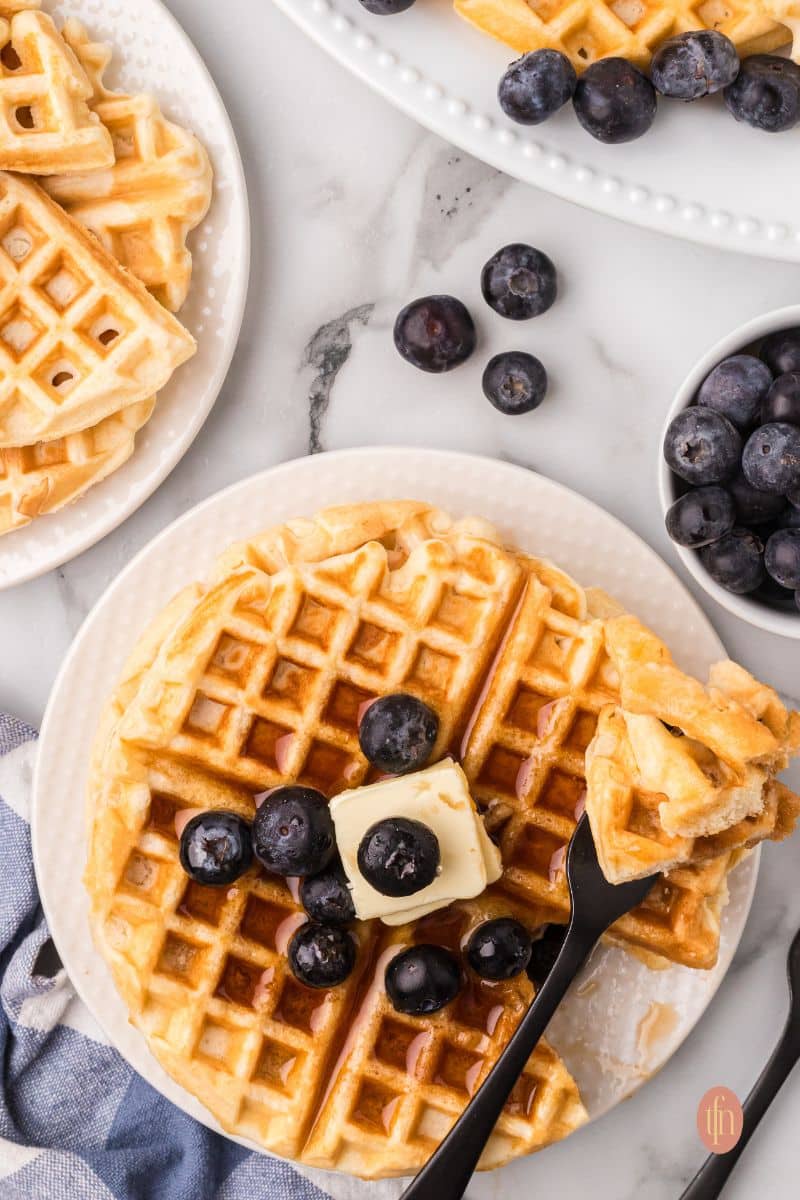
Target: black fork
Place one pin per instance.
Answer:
(713, 1175)
(596, 904)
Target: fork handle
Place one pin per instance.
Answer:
(713, 1175)
(449, 1170)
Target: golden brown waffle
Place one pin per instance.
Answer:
(258, 680)
(400, 1081)
(203, 971)
(524, 759)
(79, 337)
(40, 479)
(47, 125)
(625, 813)
(586, 30)
(158, 190)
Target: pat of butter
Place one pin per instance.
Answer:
(439, 797)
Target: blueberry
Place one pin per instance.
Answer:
(782, 402)
(514, 382)
(422, 979)
(753, 507)
(793, 496)
(399, 856)
(519, 282)
(781, 351)
(499, 949)
(536, 86)
(544, 952)
(700, 517)
(293, 832)
(702, 446)
(736, 388)
(766, 93)
(435, 333)
(782, 557)
(387, 8)
(215, 847)
(321, 956)
(736, 561)
(694, 64)
(775, 596)
(771, 458)
(327, 898)
(614, 101)
(397, 733)
(789, 518)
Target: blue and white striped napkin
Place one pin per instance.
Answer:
(76, 1122)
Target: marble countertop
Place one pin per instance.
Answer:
(356, 210)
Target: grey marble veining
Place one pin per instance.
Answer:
(356, 210)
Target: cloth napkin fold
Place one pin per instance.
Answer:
(76, 1122)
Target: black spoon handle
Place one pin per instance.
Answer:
(713, 1175)
(449, 1170)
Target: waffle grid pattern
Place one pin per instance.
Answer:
(283, 690)
(407, 1080)
(45, 123)
(527, 750)
(217, 994)
(42, 478)
(156, 193)
(586, 30)
(75, 340)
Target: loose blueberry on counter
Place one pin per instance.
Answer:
(321, 956)
(782, 557)
(536, 86)
(736, 561)
(700, 517)
(387, 8)
(694, 64)
(327, 898)
(781, 351)
(422, 980)
(753, 507)
(771, 458)
(766, 93)
(499, 949)
(702, 446)
(293, 832)
(519, 282)
(397, 733)
(514, 382)
(215, 847)
(544, 952)
(399, 856)
(614, 101)
(782, 402)
(435, 333)
(736, 388)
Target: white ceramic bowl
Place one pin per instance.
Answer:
(754, 611)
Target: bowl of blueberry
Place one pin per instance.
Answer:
(730, 472)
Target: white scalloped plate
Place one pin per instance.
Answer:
(602, 1029)
(697, 174)
(152, 53)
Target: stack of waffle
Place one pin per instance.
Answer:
(255, 679)
(87, 335)
(586, 30)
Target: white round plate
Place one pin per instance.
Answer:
(697, 174)
(153, 54)
(624, 1021)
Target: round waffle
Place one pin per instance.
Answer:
(257, 679)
